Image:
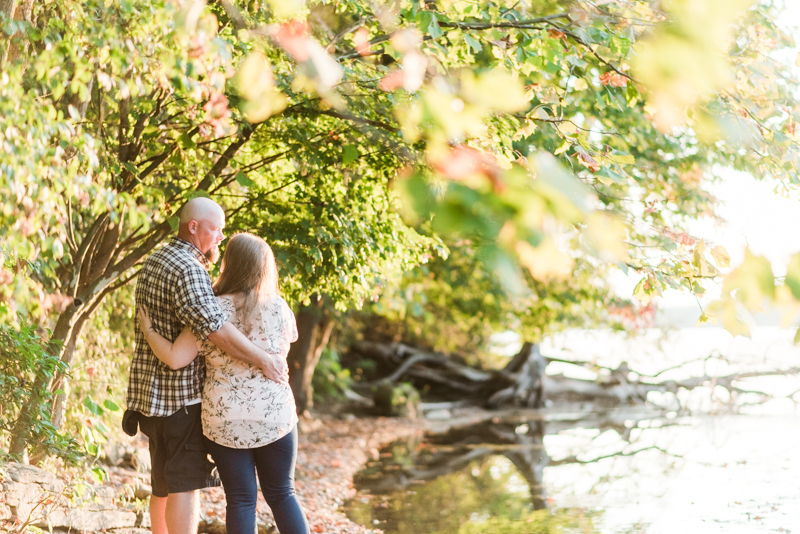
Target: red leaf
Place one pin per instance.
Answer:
(464, 161)
(587, 160)
(292, 37)
(361, 41)
(392, 81)
(613, 79)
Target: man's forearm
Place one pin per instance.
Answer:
(235, 344)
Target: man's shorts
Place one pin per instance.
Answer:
(177, 453)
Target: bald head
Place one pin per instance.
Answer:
(199, 209)
(201, 224)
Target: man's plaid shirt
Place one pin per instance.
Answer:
(175, 287)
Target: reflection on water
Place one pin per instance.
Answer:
(485, 495)
(609, 473)
(662, 472)
(484, 478)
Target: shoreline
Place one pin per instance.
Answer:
(331, 451)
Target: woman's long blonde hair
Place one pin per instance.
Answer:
(248, 268)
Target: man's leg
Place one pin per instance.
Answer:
(182, 512)
(158, 510)
(153, 428)
(187, 469)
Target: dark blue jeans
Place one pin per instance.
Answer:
(275, 466)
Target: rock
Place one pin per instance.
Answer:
(140, 460)
(32, 494)
(143, 519)
(117, 454)
(264, 528)
(28, 474)
(307, 424)
(105, 496)
(23, 499)
(91, 520)
(439, 415)
(396, 401)
(142, 491)
(216, 526)
(211, 527)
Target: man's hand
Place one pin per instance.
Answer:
(276, 369)
(235, 344)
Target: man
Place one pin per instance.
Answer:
(175, 288)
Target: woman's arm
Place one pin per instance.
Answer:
(176, 355)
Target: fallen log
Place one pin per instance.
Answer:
(523, 381)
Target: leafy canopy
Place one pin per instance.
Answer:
(548, 132)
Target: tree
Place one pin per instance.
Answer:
(112, 114)
(112, 154)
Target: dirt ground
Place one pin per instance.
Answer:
(331, 451)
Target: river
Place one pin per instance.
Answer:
(701, 462)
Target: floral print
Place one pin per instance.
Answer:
(242, 409)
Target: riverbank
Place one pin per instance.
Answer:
(331, 451)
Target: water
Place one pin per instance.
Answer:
(629, 470)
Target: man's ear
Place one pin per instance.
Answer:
(192, 227)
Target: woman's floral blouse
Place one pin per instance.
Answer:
(242, 409)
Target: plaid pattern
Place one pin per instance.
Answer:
(175, 288)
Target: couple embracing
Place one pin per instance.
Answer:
(209, 376)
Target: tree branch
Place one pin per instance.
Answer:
(348, 117)
(221, 163)
(526, 24)
(158, 160)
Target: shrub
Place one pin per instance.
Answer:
(25, 365)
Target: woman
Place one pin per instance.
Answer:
(250, 422)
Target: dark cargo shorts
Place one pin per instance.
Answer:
(177, 452)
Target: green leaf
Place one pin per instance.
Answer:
(349, 154)
(567, 195)
(111, 406)
(792, 280)
(473, 43)
(722, 257)
(563, 148)
(99, 474)
(92, 406)
(174, 222)
(622, 159)
(433, 29)
(186, 141)
(244, 180)
(753, 281)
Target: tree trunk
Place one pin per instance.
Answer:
(61, 382)
(18, 11)
(57, 345)
(314, 327)
(528, 390)
(8, 7)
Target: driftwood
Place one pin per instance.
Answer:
(523, 382)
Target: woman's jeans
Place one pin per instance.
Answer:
(275, 465)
